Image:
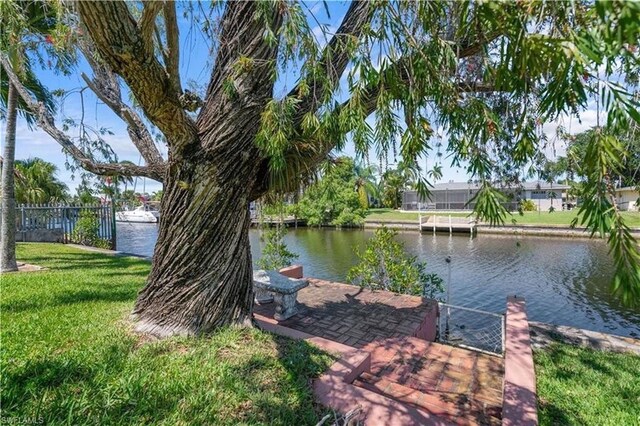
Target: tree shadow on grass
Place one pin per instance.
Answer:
(566, 368)
(303, 363)
(67, 381)
(111, 295)
(84, 261)
(554, 414)
(579, 358)
(104, 386)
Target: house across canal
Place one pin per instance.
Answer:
(458, 196)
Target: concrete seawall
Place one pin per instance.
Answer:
(534, 230)
(542, 231)
(411, 225)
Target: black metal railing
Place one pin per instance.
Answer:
(57, 223)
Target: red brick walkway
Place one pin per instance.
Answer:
(456, 385)
(453, 383)
(353, 316)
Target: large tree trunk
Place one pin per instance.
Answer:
(8, 228)
(201, 275)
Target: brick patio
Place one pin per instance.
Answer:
(353, 316)
(453, 383)
(443, 384)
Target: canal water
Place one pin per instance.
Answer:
(564, 281)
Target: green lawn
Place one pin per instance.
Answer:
(564, 218)
(390, 215)
(69, 357)
(558, 218)
(579, 386)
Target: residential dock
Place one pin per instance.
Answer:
(449, 224)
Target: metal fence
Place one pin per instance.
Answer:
(56, 223)
(471, 328)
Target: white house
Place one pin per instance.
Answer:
(458, 196)
(627, 198)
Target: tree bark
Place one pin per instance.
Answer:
(8, 227)
(201, 276)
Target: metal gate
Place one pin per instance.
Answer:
(56, 223)
(471, 328)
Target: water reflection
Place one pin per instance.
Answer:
(565, 281)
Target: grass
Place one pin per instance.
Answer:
(581, 386)
(391, 215)
(564, 218)
(69, 357)
(557, 218)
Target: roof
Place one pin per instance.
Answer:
(628, 188)
(531, 186)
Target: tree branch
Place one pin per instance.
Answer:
(140, 135)
(147, 22)
(107, 88)
(473, 47)
(242, 35)
(337, 56)
(46, 123)
(172, 58)
(306, 155)
(121, 45)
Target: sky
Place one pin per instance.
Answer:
(196, 65)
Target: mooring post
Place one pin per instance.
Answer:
(450, 229)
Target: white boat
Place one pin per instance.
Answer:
(141, 214)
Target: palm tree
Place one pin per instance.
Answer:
(8, 227)
(110, 185)
(22, 21)
(366, 184)
(38, 183)
(395, 181)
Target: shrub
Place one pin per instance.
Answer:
(385, 265)
(87, 231)
(348, 217)
(528, 206)
(333, 200)
(275, 254)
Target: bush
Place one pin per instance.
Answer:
(528, 206)
(348, 217)
(385, 265)
(275, 254)
(277, 209)
(87, 231)
(333, 200)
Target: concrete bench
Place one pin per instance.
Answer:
(271, 286)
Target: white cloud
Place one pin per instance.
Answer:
(571, 124)
(37, 143)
